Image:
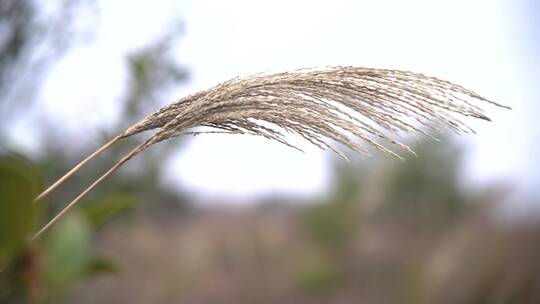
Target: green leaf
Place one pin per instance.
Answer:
(19, 184)
(68, 251)
(102, 265)
(98, 211)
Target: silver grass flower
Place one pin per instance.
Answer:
(353, 106)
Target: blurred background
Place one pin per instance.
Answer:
(237, 219)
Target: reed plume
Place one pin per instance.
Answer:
(356, 107)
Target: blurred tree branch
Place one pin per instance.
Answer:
(32, 37)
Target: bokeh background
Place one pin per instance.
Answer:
(237, 219)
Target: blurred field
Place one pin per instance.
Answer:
(268, 257)
(369, 242)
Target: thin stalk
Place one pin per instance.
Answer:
(92, 186)
(75, 169)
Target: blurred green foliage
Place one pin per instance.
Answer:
(329, 225)
(420, 193)
(69, 256)
(20, 182)
(318, 274)
(425, 187)
(99, 210)
(45, 270)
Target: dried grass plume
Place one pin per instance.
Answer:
(353, 106)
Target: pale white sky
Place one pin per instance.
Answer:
(483, 45)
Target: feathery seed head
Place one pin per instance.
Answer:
(348, 105)
(354, 106)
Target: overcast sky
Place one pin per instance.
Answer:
(488, 46)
